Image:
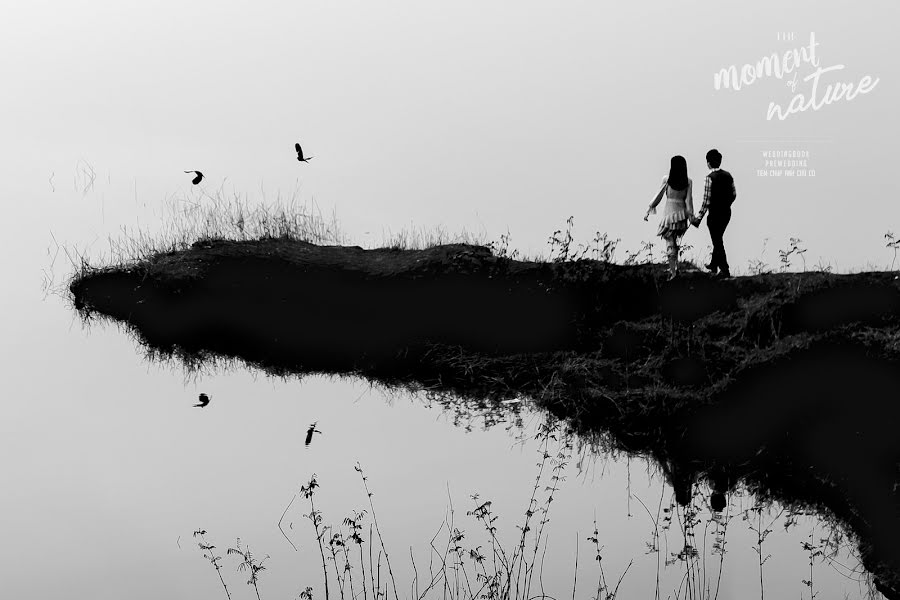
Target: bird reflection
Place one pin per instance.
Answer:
(309, 433)
(204, 400)
(300, 154)
(198, 178)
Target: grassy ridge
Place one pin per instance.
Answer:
(778, 381)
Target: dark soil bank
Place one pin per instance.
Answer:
(786, 382)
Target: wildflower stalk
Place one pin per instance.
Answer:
(209, 555)
(377, 530)
(308, 491)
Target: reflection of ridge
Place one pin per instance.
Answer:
(784, 386)
(812, 430)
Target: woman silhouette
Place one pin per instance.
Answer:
(678, 211)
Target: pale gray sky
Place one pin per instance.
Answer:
(464, 115)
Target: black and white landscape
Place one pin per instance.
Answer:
(326, 301)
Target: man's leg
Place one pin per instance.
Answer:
(717, 222)
(715, 236)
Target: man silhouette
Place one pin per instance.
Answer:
(718, 195)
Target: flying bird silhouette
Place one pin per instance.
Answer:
(204, 400)
(300, 154)
(309, 433)
(198, 178)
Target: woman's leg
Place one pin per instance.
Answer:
(672, 252)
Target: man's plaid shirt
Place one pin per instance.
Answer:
(707, 188)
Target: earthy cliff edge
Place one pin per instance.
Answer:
(785, 382)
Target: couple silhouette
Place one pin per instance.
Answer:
(678, 213)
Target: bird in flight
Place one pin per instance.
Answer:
(309, 433)
(198, 178)
(204, 400)
(300, 154)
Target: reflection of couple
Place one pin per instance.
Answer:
(678, 212)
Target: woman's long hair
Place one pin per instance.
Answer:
(678, 177)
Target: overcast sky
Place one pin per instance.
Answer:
(462, 115)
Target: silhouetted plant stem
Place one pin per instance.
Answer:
(353, 523)
(559, 464)
(812, 594)
(349, 572)
(454, 544)
(378, 580)
(813, 550)
(308, 491)
(336, 540)
(212, 558)
(519, 554)
(371, 569)
(894, 244)
(414, 586)
(575, 572)
(378, 531)
(721, 546)
(482, 512)
(761, 534)
(651, 547)
(688, 521)
(250, 564)
(621, 578)
(439, 576)
(282, 518)
(362, 566)
(762, 589)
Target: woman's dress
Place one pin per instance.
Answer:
(677, 211)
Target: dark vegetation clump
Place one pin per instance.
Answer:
(782, 381)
